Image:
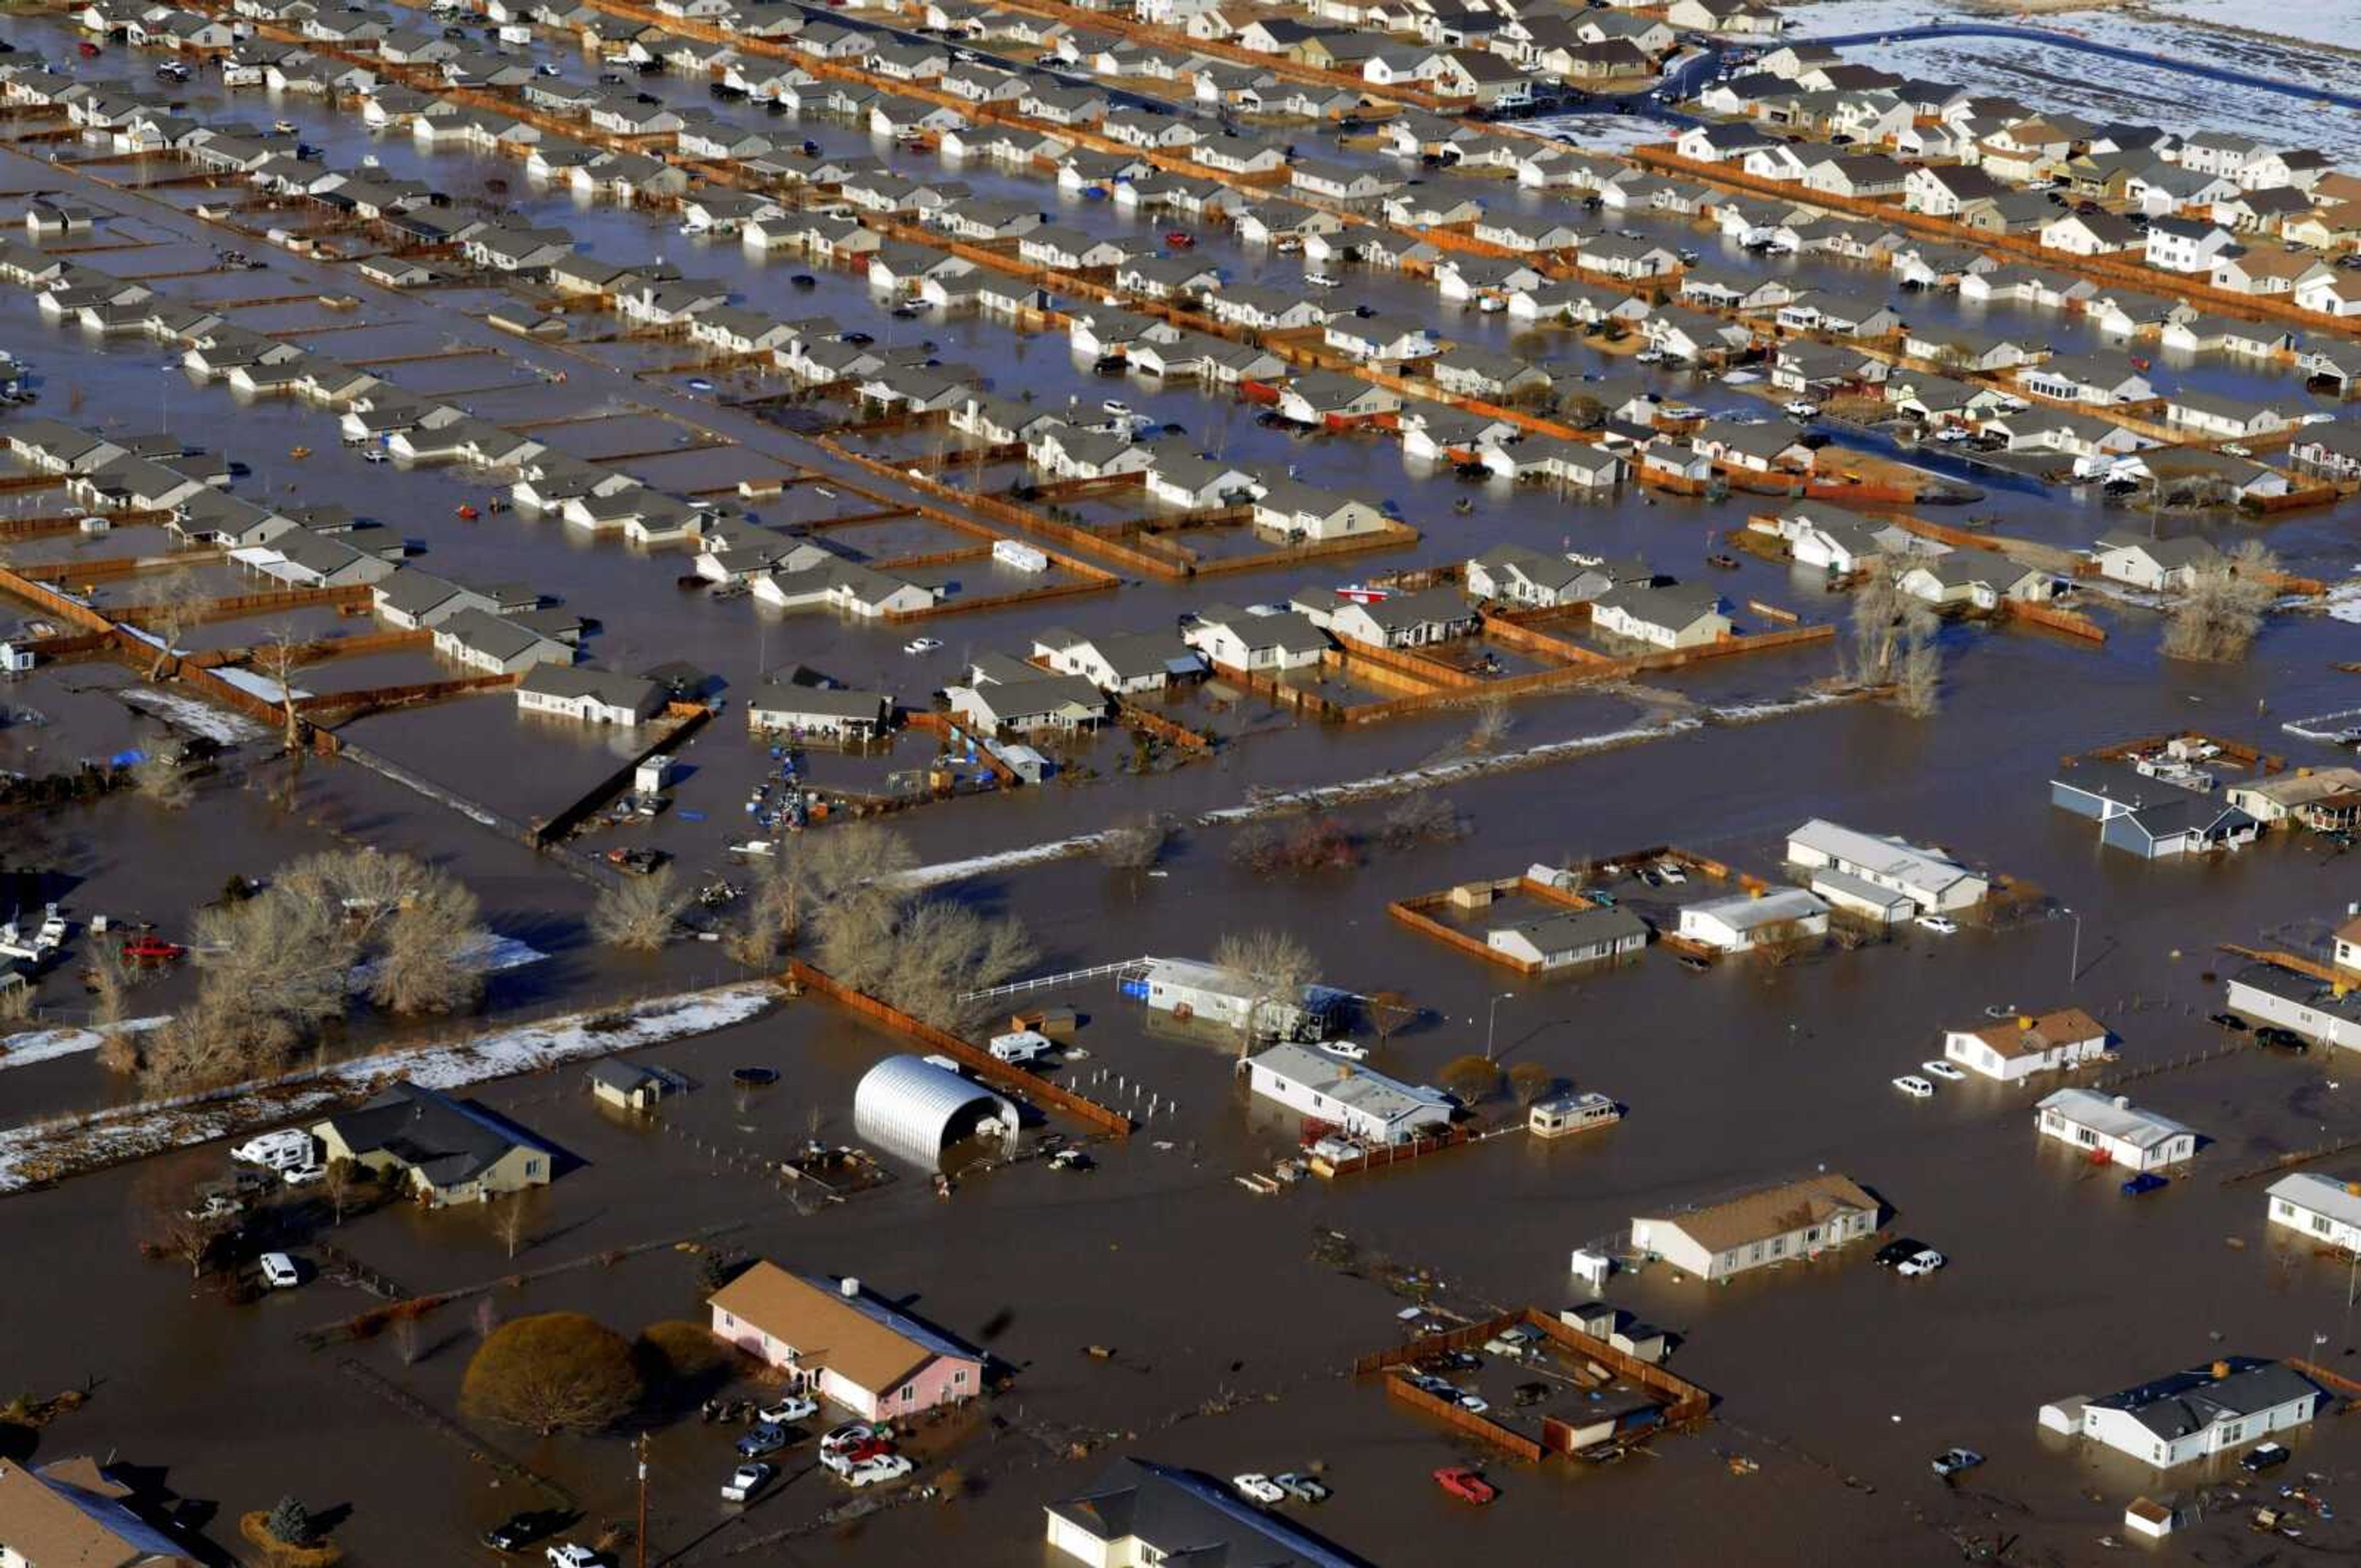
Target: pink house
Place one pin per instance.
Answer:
(843, 1345)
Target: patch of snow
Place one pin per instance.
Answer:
(2335, 22)
(2343, 602)
(2324, 726)
(71, 1146)
(256, 686)
(48, 1045)
(1599, 133)
(186, 713)
(486, 952)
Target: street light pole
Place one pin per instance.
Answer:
(1491, 1016)
(2074, 959)
(641, 1534)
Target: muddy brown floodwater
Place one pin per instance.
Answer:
(1233, 1319)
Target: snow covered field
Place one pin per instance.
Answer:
(2322, 21)
(48, 1045)
(47, 1151)
(2048, 77)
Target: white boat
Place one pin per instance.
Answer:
(52, 932)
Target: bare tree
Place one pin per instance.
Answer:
(336, 1186)
(162, 782)
(1421, 818)
(922, 956)
(1136, 847)
(1493, 723)
(425, 964)
(177, 607)
(509, 1222)
(281, 655)
(1876, 625)
(172, 1221)
(405, 1338)
(1918, 677)
(2217, 620)
(1273, 965)
(111, 978)
(1529, 1080)
(638, 913)
(1471, 1077)
(1389, 1012)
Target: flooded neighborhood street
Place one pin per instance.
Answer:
(1315, 785)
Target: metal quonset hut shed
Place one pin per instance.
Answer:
(910, 1108)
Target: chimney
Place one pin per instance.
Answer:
(849, 1287)
(2220, 1370)
(2122, 1102)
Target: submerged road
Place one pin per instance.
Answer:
(2220, 73)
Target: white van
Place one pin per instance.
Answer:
(1023, 1047)
(282, 1150)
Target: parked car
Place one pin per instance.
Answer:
(2265, 1456)
(1256, 1487)
(1800, 408)
(1916, 1087)
(518, 1531)
(2229, 1021)
(565, 1555)
(1923, 1262)
(215, 1206)
(845, 1436)
(853, 1455)
(1938, 1068)
(746, 1480)
(1899, 1250)
(1952, 1461)
(2146, 1181)
(767, 1438)
(1465, 1484)
(794, 1407)
(1941, 924)
(1347, 1050)
(304, 1175)
(279, 1271)
(918, 645)
(2276, 1038)
(1474, 1404)
(879, 1467)
(1302, 1488)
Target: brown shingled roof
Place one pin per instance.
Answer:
(1774, 1212)
(2047, 1033)
(825, 1329)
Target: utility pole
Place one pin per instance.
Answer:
(641, 1535)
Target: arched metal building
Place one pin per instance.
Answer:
(910, 1108)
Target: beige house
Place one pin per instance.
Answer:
(446, 1151)
(68, 1514)
(1797, 1220)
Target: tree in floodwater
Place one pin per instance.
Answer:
(2217, 620)
(1273, 965)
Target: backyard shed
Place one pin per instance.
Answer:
(909, 1107)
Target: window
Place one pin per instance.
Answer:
(1778, 1246)
(909, 1392)
(1811, 1235)
(533, 1167)
(2320, 1224)
(959, 1379)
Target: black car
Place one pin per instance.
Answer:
(1899, 1250)
(2266, 1456)
(2229, 1021)
(2280, 1039)
(519, 1531)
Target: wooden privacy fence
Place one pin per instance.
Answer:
(573, 815)
(1300, 698)
(1684, 1403)
(986, 1066)
(2071, 623)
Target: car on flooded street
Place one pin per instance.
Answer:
(2145, 1183)
(1955, 1461)
(1466, 1484)
(1918, 1088)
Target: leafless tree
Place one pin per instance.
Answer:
(486, 1317)
(1389, 1012)
(172, 1224)
(161, 783)
(1471, 1078)
(16, 1003)
(176, 608)
(638, 913)
(1877, 607)
(336, 1186)
(2217, 620)
(281, 964)
(111, 978)
(1918, 678)
(1273, 965)
(509, 1222)
(1493, 723)
(1780, 942)
(281, 655)
(1421, 818)
(919, 955)
(1529, 1080)
(1136, 847)
(405, 1338)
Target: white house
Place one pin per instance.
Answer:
(2125, 1134)
(1928, 878)
(587, 696)
(2026, 1045)
(2315, 1009)
(2203, 1411)
(2319, 1208)
(1737, 924)
(1567, 937)
(1794, 1220)
(1365, 1105)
